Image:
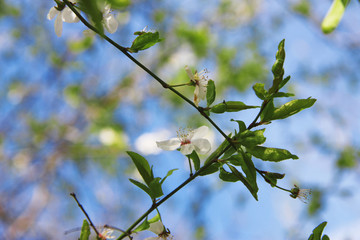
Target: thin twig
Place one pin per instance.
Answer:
(87, 216)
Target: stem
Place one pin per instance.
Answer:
(87, 216)
(181, 85)
(157, 204)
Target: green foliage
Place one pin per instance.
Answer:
(272, 177)
(146, 223)
(348, 158)
(144, 40)
(290, 108)
(210, 93)
(85, 231)
(78, 46)
(251, 186)
(316, 202)
(230, 106)
(196, 160)
(91, 8)
(334, 15)
(271, 154)
(250, 138)
(119, 4)
(317, 233)
(153, 185)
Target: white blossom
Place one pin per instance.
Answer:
(201, 82)
(303, 195)
(188, 141)
(109, 20)
(107, 234)
(63, 15)
(159, 229)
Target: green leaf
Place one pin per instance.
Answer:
(284, 81)
(268, 111)
(252, 138)
(242, 126)
(292, 107)
(249, 169)
(317, 232)
(272, 178)
(91, 8)
(236, 106)
(144, 41)
(270, 154)
(169, 173)
(85, 231)
(227, 176)
(155, 187)
(277, 69)
(196, 160)
(282, 94)
(334, 15)
(260, 90)
(210, 93)
(142, 165)
(325, 237)
(211, 169)
(247, 184)
(142, 186)
(78, 46)
(230, 106)
(143, 226)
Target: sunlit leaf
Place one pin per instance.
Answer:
(211, 93)
(142, 165)
(142, 187)
(85, 231)
(317, 232)
(144, 41)
(271, 154)
(291, 108)
(334, 15)
(260, 91)
(251, 138)
(227, 176)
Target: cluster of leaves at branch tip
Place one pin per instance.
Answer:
(153, 185)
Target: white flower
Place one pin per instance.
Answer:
(107, 234)
(63, 14)
(109, 20)
(303, 195)
(188, 141)
(201, 82)
(159, 229)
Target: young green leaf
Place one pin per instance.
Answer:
(169, 173)
(210, 170)
(210, 93)
(334, 15)
(242, 126)
(252, 138)
(196, 160)
(282, 94)
(272, 178)
(142, 165)
(277, 69)
(270, 154)
(85, 231)
(268, 111)
(245, 181)
(143, 226)
(292, 107)
(260, 90)
(142, 187)
(155, 187)
(317, 232)
(144, 41)
(227, 176)
(222, 146)
(283, 82)
(230, 106)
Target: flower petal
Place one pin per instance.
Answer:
(69, 16)
(58, 25)
(187, 149)
(196, 96)
(169, 145)
(200, 132)
(201, 145)
(157, 227)
(110, 23)
(52, 13)
(189, 73)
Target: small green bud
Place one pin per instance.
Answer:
(218, 108)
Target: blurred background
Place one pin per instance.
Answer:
(71, 106)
